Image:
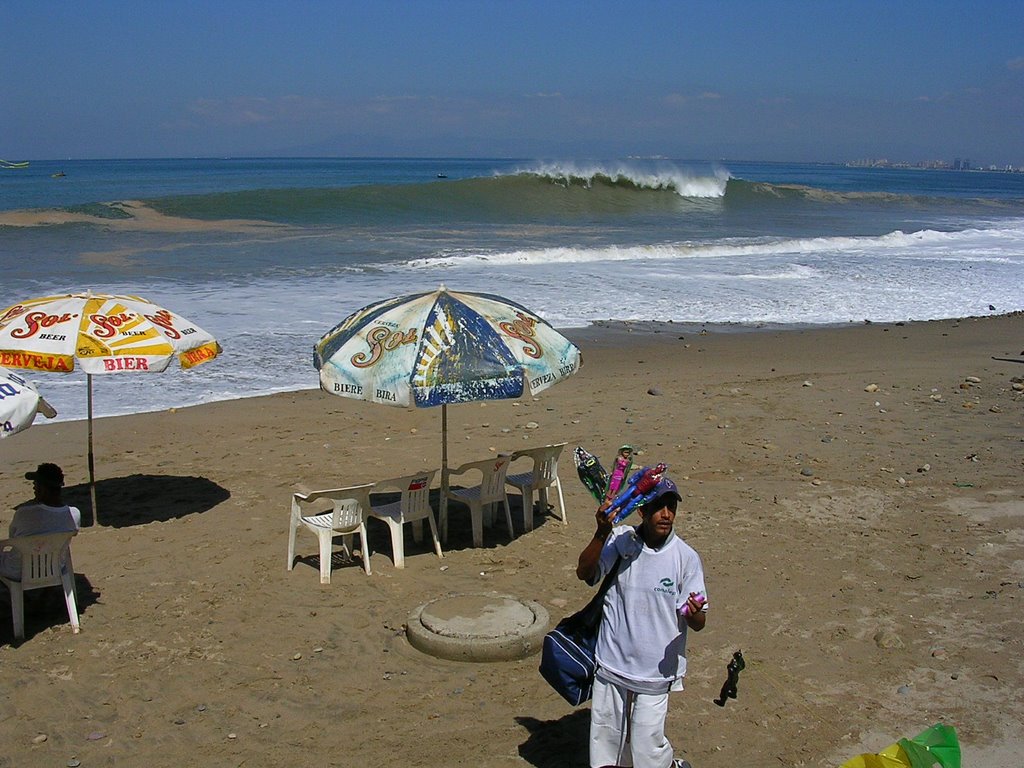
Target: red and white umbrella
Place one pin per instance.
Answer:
(104, 335)
(19, 403)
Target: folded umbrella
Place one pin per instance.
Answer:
(19, 403)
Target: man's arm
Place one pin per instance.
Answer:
(590, 557)
(13, 529)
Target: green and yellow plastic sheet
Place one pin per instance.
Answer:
(937, 745)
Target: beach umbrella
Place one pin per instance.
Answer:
(19, 403)
(938, 744)
(102, 334)
(442, 348)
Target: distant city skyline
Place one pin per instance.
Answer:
(784, 81)
(957, 164)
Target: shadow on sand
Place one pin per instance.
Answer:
(460, 531)
(561, 743)
(141, 499)
(45, 608)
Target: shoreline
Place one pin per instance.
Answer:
(693, 326)
(610, 333)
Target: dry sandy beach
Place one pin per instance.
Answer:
(856, 495)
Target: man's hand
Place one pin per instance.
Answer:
(590, 557)
(693, 612)
(604, 521)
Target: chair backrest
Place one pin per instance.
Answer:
(42, 555)
(545, 462)
(416, 493)
(349, 504)
(492, 477)
(347, 513)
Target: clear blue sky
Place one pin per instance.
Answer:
(821, 80)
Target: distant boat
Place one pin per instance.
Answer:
(442, 175)
(10, 164)
(58, 174)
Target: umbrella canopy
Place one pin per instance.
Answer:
(103, 334)
(19, 403)
(443, 347)
(440, 348)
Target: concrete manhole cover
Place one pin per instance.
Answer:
(478, 627)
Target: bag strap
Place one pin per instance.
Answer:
(590, 615)
(608, 579)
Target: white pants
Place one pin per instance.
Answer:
(627, 728)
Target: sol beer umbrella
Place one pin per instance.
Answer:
(441, 348)
(102, 334)
(19, 403)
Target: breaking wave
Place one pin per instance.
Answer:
(668, 178)
(964, 246)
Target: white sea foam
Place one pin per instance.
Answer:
(268, 326)
(970, 245)
(665, 176)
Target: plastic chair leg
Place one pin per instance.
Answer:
(508, 520)
(476, 516)
(397, 544)
(70, 568)
(528, 508)
(433, 533)
(68, 580)
(325, 556)
(561, 503)
(347, 544)
(364, 548)
(442, 518)
(291, 544)
(18, 611)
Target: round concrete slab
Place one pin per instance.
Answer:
(478, 627)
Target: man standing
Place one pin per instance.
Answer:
(47, 513)
(657, 594)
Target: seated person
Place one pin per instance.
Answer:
(47, 513)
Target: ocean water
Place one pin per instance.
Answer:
(268, 254)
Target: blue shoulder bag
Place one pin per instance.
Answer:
(567, 654)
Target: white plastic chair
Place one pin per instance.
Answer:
(43, 564)
(412, 507)
(490, 491)
(346, 518)
(544, 475)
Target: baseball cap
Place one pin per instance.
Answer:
(664, 486)
(47, 474)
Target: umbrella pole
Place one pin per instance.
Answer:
(92, 466)
(443, 512)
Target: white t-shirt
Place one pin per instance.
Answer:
(36, 517)
(642, 641)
